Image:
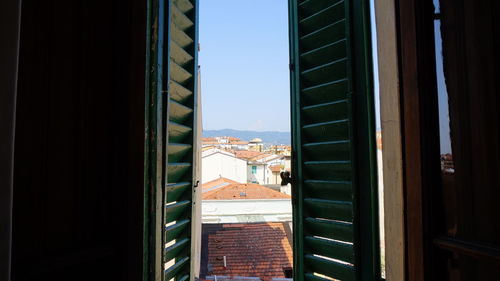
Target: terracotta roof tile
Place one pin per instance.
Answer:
(247, 154)
(242, 191)
(217, 182)
(262, 155)
(252, 250)
(275, 168)
(238, 142)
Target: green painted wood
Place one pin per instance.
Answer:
(330, 52)
(328, 150)
(179, 93)
(154, 138)
(177, 171)
(179, 113)
(174, 269)
(178, 133)
(327, 92)
(177, 151)
(312, 277)
(330, 190)
(175, 230)
(179, 74)
(180, 37)
(310, 7)
(175, 191)
(322, 17)
(326, 35)
(332, 142)
(184, 5)
(176, 210)
(175, 249)
(328, 170)
(329, 209)
(325, 73)
(337, 270)
(330, 248)
(326, 131)
(179, 55)
(296, 140)
(180, 18)
(337, 230)
(181, 143)
(326, 112)
(183, 277)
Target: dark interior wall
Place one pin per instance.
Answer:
(79, 141)
(471, 40)
(9, 46)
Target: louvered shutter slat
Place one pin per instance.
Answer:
(326, 142)
(181, 129)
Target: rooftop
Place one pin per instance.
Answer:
(275, 168)
(252, 250)
(225, 190)
(211, 185)
(247, 154)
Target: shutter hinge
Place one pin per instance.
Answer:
(292, 66)
(286, 178)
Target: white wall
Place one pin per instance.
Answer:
(274, 178)
(260, 176)
(246, 210)
(287, 189)
(219, 164)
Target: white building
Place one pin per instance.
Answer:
(258, 173)
(225, 142)
(225, 201)
(256, 145)
(218, 163)
(259, 168)
(246, 211)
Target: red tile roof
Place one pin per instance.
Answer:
(252, 250)
(246, 154)
(217, 182)
(275, 168)
(242, 191)
(238, 142)
(258, 157)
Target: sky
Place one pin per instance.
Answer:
(244, 65)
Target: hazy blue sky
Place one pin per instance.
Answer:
(244, 64)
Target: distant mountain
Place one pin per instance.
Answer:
(269, 137)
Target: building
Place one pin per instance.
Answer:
(279, 150)
(217, 163)
(259, 168)
(275, 174)
(226, 201)
(247, 155)
(258, 165)
(225, 142)
(256, 145)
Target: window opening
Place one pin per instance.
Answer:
(378, 139)
(246, 213)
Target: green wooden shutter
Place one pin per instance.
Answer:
(334, 191)
(172, 140)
